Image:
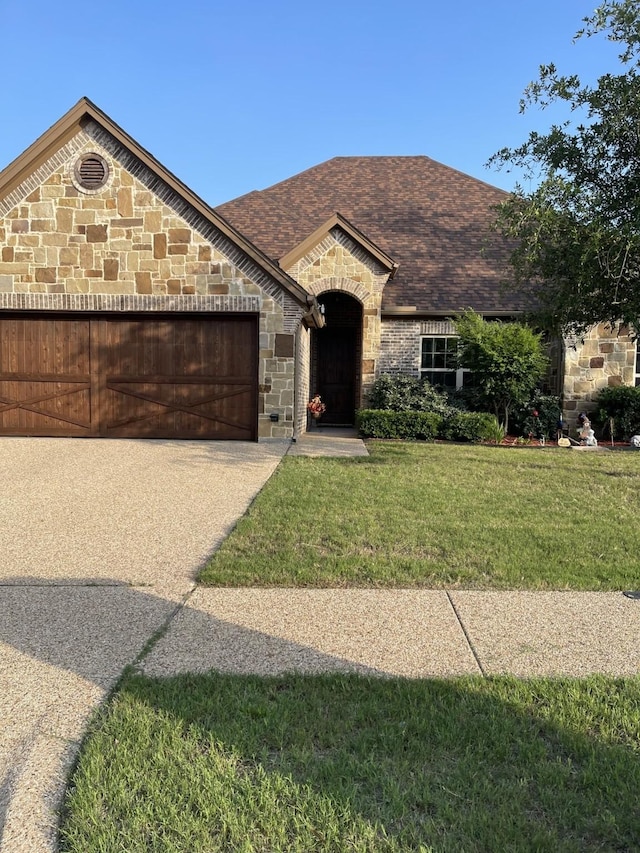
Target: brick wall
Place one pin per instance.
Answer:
(400, 347)
(303, 367)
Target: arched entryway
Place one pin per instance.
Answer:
(336, 358)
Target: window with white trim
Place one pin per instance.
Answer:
(438, 362)
(637, 362)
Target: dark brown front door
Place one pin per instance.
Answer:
(337, 355)
(336, 374)
(129, 376)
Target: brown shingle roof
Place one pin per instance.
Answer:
(433, 221)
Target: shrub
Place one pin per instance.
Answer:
(496, 432)
(427, 426)
(468, 426)
(403, 393)
(377, 423)
(525, 422)
(622, 404)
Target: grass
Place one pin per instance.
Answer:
(333, 763)
(437, 515)
(346, 763)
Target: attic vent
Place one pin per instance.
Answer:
(91, 172)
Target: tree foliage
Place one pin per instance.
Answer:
(577, 235)
(507, 360)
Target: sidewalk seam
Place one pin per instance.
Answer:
(160, 632)
(466, 634)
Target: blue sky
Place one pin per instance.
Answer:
(236, 95)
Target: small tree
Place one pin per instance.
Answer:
(507, 360)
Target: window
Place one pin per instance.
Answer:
(638, 362)
(438, 363)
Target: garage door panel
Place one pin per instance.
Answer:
(37, 408)
(180, 378)
(44, 376)
(134, 376)
(184, 408)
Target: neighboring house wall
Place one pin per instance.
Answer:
(604, 357)
(339, 263)
(136, 245)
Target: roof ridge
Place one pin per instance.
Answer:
(306, 173)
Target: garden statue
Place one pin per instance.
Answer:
(585, 433)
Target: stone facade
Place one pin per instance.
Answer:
(136, 245)
(604, 357)
(339, 263)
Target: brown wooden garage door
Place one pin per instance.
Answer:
(134, 376)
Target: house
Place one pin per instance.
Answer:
(393, 247)
(130, 308)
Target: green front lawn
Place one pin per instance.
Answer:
(345, 763)
(199, 764)
(438, 515)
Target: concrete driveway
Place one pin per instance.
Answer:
(100, 542)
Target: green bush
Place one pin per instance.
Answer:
(403, 393)
(525, 422)
(468, 426)
(426, 426)
(380, 423)
(621, 403)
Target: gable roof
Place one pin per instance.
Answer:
(338, 221)
(433, 221)
(74, 120)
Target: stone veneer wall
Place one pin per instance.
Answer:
(605, 357)
(136, 245)
(339, 263)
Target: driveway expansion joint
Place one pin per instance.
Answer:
(160, 632)
(472, 648)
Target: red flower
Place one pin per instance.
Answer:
(535, 413)
(316, 406)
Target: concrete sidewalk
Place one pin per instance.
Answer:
(411, 633)
(329, 441)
